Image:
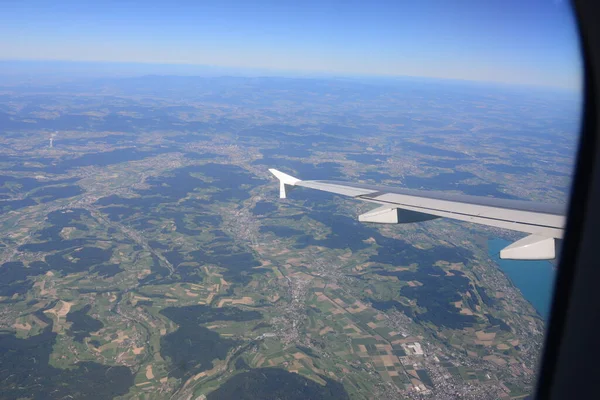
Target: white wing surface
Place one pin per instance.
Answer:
(543, 222)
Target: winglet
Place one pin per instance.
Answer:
(284, 180)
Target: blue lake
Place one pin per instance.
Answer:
(535, 279)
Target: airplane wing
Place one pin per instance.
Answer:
(543, 222)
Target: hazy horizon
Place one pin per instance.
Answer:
(20, 71)
(526, 43)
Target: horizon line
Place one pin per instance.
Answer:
(281, 73)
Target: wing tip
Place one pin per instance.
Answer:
(283, 177)
(285, 182)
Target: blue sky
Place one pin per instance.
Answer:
(509, 41)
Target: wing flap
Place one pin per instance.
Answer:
(388, 215)
(532, 247)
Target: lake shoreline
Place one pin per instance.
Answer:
(534, 279)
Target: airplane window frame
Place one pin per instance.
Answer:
(569, 366)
